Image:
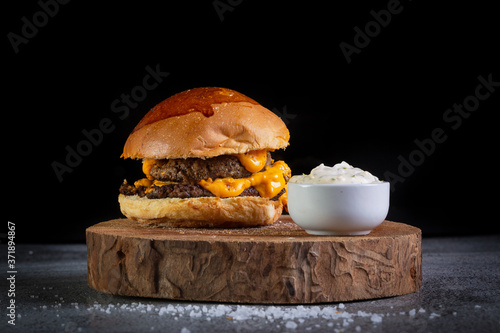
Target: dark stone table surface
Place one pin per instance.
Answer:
(460, 293)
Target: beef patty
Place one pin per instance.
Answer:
(180, 191)
(192, 170)
(187, 173)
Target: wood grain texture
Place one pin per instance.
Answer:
(279, 263)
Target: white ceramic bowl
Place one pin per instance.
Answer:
(338, 209)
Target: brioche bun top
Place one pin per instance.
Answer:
(205, 122)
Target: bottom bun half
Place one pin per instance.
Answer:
(201, 212)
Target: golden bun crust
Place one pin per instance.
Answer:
(205, 122)
(201, 212)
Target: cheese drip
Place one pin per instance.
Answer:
(147, 165)
(254, 160)
(268, 182)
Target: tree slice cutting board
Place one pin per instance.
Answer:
(279, 263)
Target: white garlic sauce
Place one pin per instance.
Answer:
(340, 173)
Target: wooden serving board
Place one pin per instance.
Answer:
(279, 263)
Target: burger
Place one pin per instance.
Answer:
(206, 157)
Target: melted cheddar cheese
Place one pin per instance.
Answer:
(147, 165)
(149, 184)
(254, 160)
(268, 182)
(284, 200)
(143, 182)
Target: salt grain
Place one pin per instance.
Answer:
(337, 317)
(376, 319)
(194, 314)
(434, 315)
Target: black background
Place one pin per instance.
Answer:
(285, 55)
